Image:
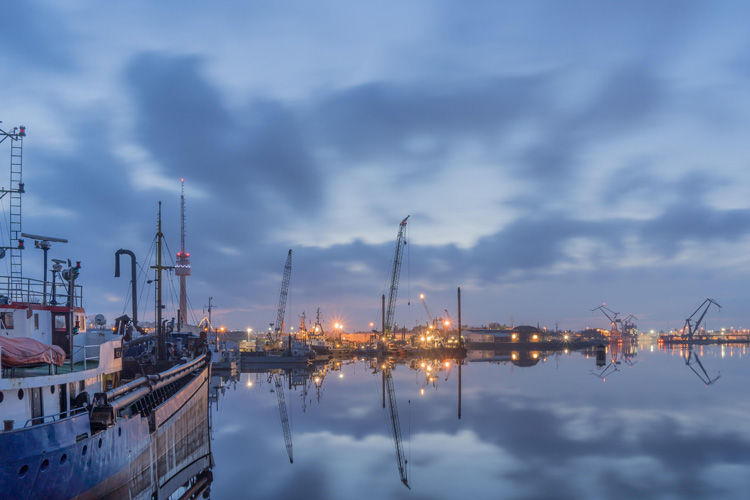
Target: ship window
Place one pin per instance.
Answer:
(61, 322)
(63, 458)
(23, 470)
(44, 465)
(52, 389)
(36, 321)
(7, 319)
(20, 393)
(84, 450)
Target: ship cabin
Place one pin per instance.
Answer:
(38, 383)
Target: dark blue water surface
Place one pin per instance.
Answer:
(542, 425)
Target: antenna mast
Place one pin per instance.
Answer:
(182, 266)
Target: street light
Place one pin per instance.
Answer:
(249, 331)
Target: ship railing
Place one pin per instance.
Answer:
(32, 291)
(55, 417)
(87, 358)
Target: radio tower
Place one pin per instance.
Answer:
(182, 266)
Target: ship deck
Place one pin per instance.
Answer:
(44, 370)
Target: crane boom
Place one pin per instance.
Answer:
(283, 415)
(395, 275)
(691, 329)
(396, 428)
(427, 309)
(281, 307)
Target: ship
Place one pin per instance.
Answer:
(73, 426)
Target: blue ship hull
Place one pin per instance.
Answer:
(136, 458)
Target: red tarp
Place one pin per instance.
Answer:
(25, 351)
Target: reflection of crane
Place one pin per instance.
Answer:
(691, 328)
(395, 275)
(395, 427)
(283, 415)
(692, 357)
(611, 316)
(278, 327)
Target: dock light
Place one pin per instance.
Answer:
(249, 383)
(447, 364)
(422, 365)
(383, 367)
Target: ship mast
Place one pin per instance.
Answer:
(161, 334)
(182, 266)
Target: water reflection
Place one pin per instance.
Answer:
(530, 429)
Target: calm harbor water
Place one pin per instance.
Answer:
(646, 427)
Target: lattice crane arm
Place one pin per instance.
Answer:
(281, 307)
(395, 275)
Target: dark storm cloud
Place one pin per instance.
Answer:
(183, 123)
(377, 120)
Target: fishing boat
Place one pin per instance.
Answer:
(73, 427)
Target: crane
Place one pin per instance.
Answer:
(613, 319)
(395, 275)
(692, 328)
(427, 309)
(283, 415)
(278, 327)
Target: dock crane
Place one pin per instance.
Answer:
(427, 310)
(611, 316)
(690, 327)
(395, 276)
(278, 327)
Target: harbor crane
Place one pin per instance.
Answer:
(395, 275)
(278, 327)
(427, 310)
(690, 327)
(611, 316)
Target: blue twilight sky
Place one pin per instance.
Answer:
(552, 155)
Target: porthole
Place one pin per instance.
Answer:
(23, 470)
(2, 396)
(44, 465)
(100, 442)
(52, 389)
(119, 431)
(84, 450)
(63, 458)
(20, 393)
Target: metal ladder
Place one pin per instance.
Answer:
(16, 189)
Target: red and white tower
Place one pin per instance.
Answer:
(182, 266)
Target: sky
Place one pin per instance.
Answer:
(552, 156)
